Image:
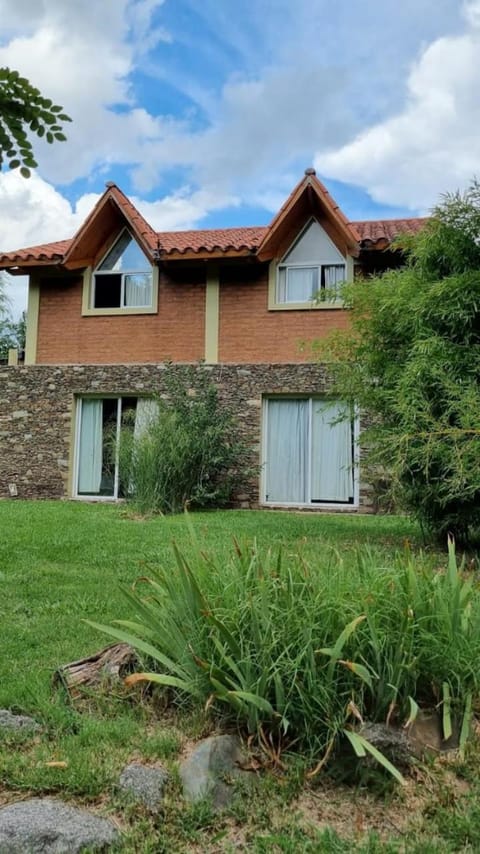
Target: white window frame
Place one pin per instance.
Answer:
(320, 267)
(319, 263)
(89, 286)
(319, 505)
(76, 464)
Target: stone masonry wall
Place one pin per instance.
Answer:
(37, 412)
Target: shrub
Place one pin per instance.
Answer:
(411, 360)
(298, 655)
(189, 452)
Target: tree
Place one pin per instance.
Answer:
(22, 109)
(12, 335)
(12, 332)
(411, 360)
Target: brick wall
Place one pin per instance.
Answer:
(249, 332)
(177, 332)
(37, 411)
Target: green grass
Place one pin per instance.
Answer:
(62, 563)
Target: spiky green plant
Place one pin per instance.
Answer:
(299, 655)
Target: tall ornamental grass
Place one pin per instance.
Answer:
(299, 654)
(189, 452)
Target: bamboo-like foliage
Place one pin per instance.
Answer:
(298, 655)
(411, 361)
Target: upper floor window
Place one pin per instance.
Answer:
(307, 284)
(123, 280)
(311, 272)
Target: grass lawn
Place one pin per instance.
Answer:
(62, 563)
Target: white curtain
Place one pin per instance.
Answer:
(332, 465)
(146, 412)
(302, 284)
(286, 458)
(138, 289)
(334, 276)
(90, 447)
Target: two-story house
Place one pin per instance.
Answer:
(112, 309)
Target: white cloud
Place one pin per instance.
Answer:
(294, 80)
(33, 212)
(81, 56)
(432, 144)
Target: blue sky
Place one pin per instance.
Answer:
(207, 114)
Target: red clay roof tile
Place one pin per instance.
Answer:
(204, 241)
(211, 239)
(388, 229)
(47, 252)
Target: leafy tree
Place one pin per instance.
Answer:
(411, 359)
(12, 335)
(22, 109)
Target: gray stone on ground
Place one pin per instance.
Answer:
(49, 826)
(392, 742)
(210, 770)
(11, 721)
(144, 783)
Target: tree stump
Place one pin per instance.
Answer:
(112, 663)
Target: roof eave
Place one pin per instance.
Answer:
(309, 186)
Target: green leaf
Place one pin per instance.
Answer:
(163, 679)
(141, 645)
(466, 723)
(362, 746)
(446, 711)
(359, 670)
(413, 712)
(254, 700)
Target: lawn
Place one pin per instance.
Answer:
(63, 563)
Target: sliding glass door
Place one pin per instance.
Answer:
(99, 425)
(308, 452)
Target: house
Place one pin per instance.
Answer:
(113, 308)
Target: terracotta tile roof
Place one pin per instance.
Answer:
(46, 252)
(140, 227)
(309, 186)
(211, 239)
(205, 242)
(388, 229)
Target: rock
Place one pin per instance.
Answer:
(209, 769)
(48, 826)
(145, 784)
(392, 742)
(426, 736)
(11, 721)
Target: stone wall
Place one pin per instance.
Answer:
(37, 411)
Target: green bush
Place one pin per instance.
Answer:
(189, 453)
(298, 655)
(411, 360)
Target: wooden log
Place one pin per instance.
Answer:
(112, 663)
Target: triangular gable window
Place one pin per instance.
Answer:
(124, 278)
(312, 269)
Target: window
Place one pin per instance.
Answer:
(123, 280)
(309, 454)
(99, 425)
(306, 284)
(311, 272)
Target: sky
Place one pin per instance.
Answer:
(207, 113)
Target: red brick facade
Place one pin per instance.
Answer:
(176, 333)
